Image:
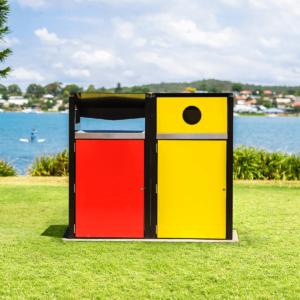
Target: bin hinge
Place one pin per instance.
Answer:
(74, 188)
(156, 229)
(74, 228)
(74, 147)
(156, 189)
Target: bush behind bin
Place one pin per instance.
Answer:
(249, 163)
(7, 169)
(252, 163)
(47, 165)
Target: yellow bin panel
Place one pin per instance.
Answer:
(170, 115)
(191, 202)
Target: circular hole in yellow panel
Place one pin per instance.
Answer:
(192, 115)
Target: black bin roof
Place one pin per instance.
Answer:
(110, 106)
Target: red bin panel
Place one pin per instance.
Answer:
(109, 188)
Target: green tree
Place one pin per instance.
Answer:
(54, 88)
(268, 104)
(297, 109)
(3, 89)
(215, 89)
(221, 87)
(14, 89)
(5, 96)
(291, 91)
(49, 104)
(203, 87)
(4, 13)
(102, 90)
(91, 89)
(237, 87)
(72, 88)
(43, 105)
(35, 89)
(274, 103)
(138, 90)
(118, 89)
(258, 92)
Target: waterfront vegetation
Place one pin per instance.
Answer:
(7, 169)
(50, 165)
(37, 264)
(249, 163)
(253, 163)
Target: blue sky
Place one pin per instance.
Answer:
(103, 42)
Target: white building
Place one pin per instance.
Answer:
(283, 101)
(48, 98)
(18, 100)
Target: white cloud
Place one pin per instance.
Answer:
(129, 73)
(57, 66)
(7, 42)
(103, 58)
(32, 3)
(27, 75)
(123, 29)
(77, 73)
(160, 43)
(269, 42)
(88, 19)
(187, 30)
(48, 38)
(141, 42)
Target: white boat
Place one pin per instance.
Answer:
(65, 111)
(1, 110)
(272, 116)
(39, 112)
(27, 110)
(235, 114)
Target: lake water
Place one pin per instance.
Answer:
(269, 133)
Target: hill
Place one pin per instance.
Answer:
(224, 84)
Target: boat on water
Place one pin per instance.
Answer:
(272, 116)
(65, 111)
(1, 110)
(33, 137)
(32, 111)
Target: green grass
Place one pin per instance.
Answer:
(37, 264)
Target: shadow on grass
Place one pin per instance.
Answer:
(55, 231)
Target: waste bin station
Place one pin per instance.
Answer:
(171, 181)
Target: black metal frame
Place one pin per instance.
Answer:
(71, 166)
(147, 168)
(150, 165)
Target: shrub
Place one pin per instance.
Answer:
(47, 165)
(7, 169)
(253, 163)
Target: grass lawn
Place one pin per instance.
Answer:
(36, 264)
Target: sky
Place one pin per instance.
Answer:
(103, 42)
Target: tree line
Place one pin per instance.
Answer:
(36, 91)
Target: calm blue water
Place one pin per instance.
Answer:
(269, 133)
